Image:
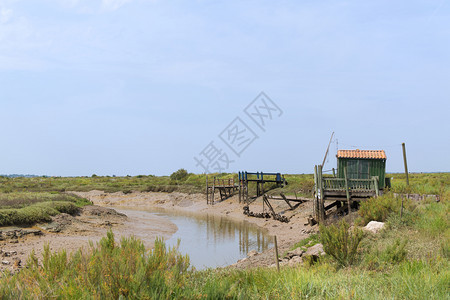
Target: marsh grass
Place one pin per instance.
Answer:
(23, 199)
(308, 242)
(35, 213)
(25, 208)
(108, 270)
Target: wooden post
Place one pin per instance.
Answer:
(334, 173)
(207, 190)
(246, 191)
(213, 190)
(375, 179)
(240, 187)
(262, 187)
(406, 164)
(347, 193)
(276, 253)
(316, 198)
(322, 197)
(401, 210)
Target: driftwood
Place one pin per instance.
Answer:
(265, 215)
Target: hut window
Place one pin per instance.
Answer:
(358, 169)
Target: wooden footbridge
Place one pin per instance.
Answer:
(226, 188)
(260, 179)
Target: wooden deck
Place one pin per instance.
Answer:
(341, 193)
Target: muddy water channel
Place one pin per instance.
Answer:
(211, 241)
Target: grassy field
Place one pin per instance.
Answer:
(422, 183)
(408, 260)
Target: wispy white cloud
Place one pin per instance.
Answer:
(113, 4)
(5, 15)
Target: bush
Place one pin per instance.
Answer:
(36, 213)
(107, 271)
(378, 209)
(25, 199)
(340, 243)
(180, 175)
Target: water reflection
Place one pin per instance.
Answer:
(220, 229)
(214, 241)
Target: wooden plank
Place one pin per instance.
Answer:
(286, 200)
(266, 201)
(335, 203)
(298, 200)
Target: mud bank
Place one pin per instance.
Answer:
(71, 233)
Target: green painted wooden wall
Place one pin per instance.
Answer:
(377, 167)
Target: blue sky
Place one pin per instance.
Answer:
(141, 87)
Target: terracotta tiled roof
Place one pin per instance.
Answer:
(370, 154)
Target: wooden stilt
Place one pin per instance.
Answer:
(207, 191)
(347, 191)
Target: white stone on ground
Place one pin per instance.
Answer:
(374, 226)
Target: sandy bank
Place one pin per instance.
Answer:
(74, 232)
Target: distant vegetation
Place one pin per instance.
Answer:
(25, 208)
(180, 175)
(182, 181)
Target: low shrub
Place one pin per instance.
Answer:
(378, 209)
(341, 243)
(24, 199)
(180, 175)
(108, 271)
(36, 213)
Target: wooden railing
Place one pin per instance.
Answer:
(353, 184)
(221, 183)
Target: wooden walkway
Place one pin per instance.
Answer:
(225, 187)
